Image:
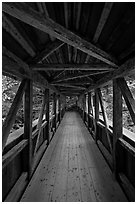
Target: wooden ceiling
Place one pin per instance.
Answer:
(70, 48)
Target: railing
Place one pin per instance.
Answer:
(15, 178)
(125, 151)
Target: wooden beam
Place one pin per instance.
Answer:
(13, 65)
(103, 19)
(18, 188)
(12, 153)
(40, 123)
(96, 113)
(50, 48)
(47, 137)
(125, 69)
(68, 67)
(75, 76)
(43, 5)
(55, 109)
(67, 13)
(89, 107)
(69, 86)
(11, 29)
(105, 118)
(117, 122)
(130, 101)
(12, 113)
(84, 106)
(27, 156)
(33, 18)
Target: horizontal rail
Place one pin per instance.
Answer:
(35, 132)
(127, 146)
(10, 155)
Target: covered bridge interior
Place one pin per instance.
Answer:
(70, 51)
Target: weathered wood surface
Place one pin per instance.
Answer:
(68, 67)
(28, 106)
(12, 113)
(104, 117)
(75, 76)
(72, 168)
(125, 69)
(129, 99)
(39, 126)
(33, 18)
(50, 48)
(9, 156)
(10, 28)
(96, 113)
(117, 121)
(14, 66)
(103, 19)
(17, 190)
(68, 86)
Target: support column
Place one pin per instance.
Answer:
(117, 122)
(28, 126)
(84, 101)
(47, 95)
(59, 108)
(96, 113)
(54, 109)
(89, 107)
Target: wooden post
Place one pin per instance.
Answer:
(12, 113)
(129, 99)
(64, 108)
(105, 118)
(47, 95)
(96, 113)
(40, 122)
(54, 109)
(28, 126)
(84, 102)
(59, 108)
(117, 122)
(89, 107)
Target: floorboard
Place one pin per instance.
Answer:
(73, 169)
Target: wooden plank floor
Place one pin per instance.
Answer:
(73, 169)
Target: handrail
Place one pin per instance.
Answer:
(16, 143)
(16, 136)
(10, 155)
(126, 133)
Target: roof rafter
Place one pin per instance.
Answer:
(58, 67)
(33, 18)
(104, 16)
(12, 30)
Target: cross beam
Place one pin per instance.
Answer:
(35, 19)
(58, 67)
(75, 76)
